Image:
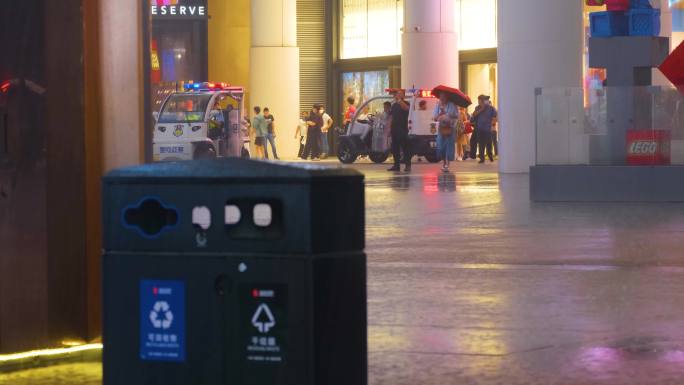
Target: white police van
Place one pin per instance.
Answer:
(204, 122)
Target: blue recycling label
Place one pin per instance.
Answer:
(162, 320)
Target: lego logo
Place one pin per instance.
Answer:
(643, 148)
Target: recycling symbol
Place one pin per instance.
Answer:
(161, 315)
(263, 319)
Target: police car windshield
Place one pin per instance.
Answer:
(185, 108)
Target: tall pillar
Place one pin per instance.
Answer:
(121, 79)
(540, 44)
(274, 68)
(429, 54)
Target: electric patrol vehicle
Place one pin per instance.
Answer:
(368, 134)
(204, 122)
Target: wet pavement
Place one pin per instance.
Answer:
(471, 283)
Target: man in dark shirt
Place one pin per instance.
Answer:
(484, 118)
(400, 133)
(313, 135)
(271, 135)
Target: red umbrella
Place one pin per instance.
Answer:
(455, 95)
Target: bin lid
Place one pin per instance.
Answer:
(229, 168)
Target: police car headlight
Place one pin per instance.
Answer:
(196, 128)
(162, 129)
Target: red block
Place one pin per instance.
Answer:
(612, 5)
(617, 5)
(648, 147)
(673, 68)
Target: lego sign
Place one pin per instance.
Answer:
(648, 147)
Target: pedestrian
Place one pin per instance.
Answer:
(271, 133)
(327, 125)
(484, 118)
(399, 132)
(313, 135)
(448, 120)
(349, 112)
(461, 134)
(260, 128)
(300, 133)
(495, 134)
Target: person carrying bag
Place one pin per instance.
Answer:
(447, 116)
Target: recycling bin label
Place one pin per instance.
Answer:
(162, 320)
(263, 323)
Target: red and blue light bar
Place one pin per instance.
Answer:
(210, 86)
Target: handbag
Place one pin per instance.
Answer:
(445, 128)
(468, 128)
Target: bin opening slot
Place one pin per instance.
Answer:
(254, 218)
(150, 217)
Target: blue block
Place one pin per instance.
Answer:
(644, 22)
(609, 23)
(640, 4)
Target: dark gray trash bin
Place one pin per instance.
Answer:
(234, 272)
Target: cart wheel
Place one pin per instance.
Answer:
(205, 151)
(345, 154)
(378, 157)
(432, 158)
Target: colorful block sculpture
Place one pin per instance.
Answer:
(608, 23)
(624, 18)
(673, 68)
(644, 22)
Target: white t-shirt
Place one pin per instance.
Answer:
(326, 119)
(303, 127)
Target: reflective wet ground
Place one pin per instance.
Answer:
(470, 283)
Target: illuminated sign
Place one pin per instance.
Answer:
(178, 11)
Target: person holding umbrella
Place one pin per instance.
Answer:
(446, 115)
(449, 120)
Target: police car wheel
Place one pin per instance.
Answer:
(205, 152)
(378, 157)
(345, 154)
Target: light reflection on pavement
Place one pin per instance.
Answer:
(471, 283)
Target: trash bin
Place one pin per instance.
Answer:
(236, 272)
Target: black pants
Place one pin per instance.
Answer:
(473, 145)
(401, 144)
(313, 143)
(300, 153)
(484, 143)
(495, 142)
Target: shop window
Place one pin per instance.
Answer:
(371, 28)
(363, 85)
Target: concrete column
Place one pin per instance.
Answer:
(429, 54)
(540, 44)
(274, 68)
(121, 82)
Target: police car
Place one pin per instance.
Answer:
(361, 138)
(203, 122)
